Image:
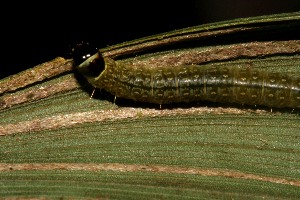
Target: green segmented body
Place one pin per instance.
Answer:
(188, 83)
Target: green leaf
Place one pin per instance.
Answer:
(58, 142)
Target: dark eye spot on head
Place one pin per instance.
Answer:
(82, 51)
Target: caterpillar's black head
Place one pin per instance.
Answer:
(87, 60)
(82, 51)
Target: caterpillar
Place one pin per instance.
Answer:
(189, 83)
(172, 67)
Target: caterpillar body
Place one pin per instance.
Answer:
(189, 83)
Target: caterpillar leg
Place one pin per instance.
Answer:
(92, 93)
(115, 99)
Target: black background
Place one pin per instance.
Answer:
(38, 32)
